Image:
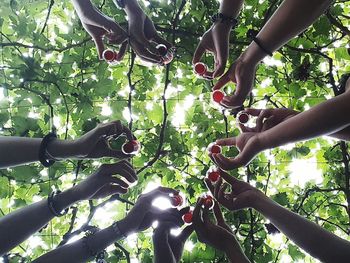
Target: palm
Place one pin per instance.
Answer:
(94, 31)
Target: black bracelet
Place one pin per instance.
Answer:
(51, 205)
(224, 19)
(119, 3)
(342, 83)
(43, 149)
(252, 35)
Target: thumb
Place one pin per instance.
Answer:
(99, 46)
(222, 81)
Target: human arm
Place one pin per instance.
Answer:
(216, 39)
(269, 118)
(219, 235)
(93, 144)
(326, 118)
(140, 217)
(309, 236)
(98, 25)
(144, 36)
(289, 20)
(22, 223)
(167, 247)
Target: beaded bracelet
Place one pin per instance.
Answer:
(224, 19)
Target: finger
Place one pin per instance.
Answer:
(220, 65)
(186, 232)
(116, 189)
(128, 133)
(233, 101)
(222, 81)
(122, 51)
(211, 157)
(221, 193)
(197, 220)
(228, 178)
(145, 54)
(253, 112)
(184, 210)
(99, 46)
(222, 199)
(198, 53)
(167, 190)
(217, 187)
(148, 57)
(226, 141)
(162, 192)
(217, 213)
(118, 181)
(269, 123)
(260, 120)
(244, 129)
(227, 163)
(158, 39)
(205, 215)
(117, 39)
(116, 153)
(209, 185)
(122, 168)
(126, 166)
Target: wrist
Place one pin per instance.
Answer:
(260, 202)
(61, 149)
(65, 199)
(234, 252)
(126, 228)
(253, 54)
(226, 27)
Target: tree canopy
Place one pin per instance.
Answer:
(50, 76)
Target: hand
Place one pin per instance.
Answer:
(242, 194)
(103, 183)
(216, 41)
(268, 118)
(98, 25)
(143, 214)
(94, 144)
(241, 72)
(163, 237)
(219, 235)
(144, 36)
(247, 143)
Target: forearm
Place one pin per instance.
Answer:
(20, 150)
(83, 7)
(234, 252)
(77, 251)
(309, 236)
(343, 134)
(326, 118)
(22, 223)
(162, 251)
(231, 7)
(290, 19)
(132, 6)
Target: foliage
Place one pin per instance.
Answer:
(49, 62)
